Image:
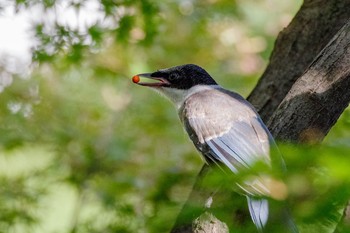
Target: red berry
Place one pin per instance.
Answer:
(136, 79)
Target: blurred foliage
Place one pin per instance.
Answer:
(84, 150)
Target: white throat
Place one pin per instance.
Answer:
(178, 96)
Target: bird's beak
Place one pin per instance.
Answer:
(150, 81)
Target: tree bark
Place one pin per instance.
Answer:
(318, 97)
(296, 46)
(298, 91)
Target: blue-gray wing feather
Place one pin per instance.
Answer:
(241, 146)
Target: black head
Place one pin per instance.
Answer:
(179, 77)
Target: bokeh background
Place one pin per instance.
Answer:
(83, 149)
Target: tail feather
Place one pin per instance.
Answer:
(259, 211)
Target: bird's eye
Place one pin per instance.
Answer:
(173, 76)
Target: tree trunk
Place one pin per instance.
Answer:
(318, 97)
(295, 48)
(308, 73)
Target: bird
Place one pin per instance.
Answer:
(224, 127)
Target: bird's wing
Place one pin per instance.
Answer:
(230, 131)
(241, 146)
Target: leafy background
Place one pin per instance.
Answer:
(82, 149)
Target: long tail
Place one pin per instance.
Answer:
(259, 211)
(281, 220)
